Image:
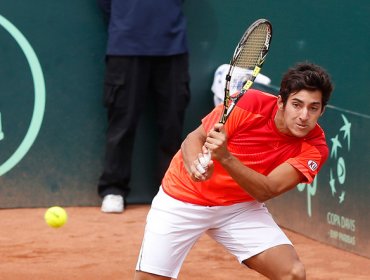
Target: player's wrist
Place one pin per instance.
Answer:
(227, 159)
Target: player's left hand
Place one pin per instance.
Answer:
(200, 171)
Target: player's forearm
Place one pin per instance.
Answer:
(256, 184)
(190, 148)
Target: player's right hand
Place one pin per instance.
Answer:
(216, 142)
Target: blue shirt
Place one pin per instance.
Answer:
(145, 27)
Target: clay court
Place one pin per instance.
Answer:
(93, 246)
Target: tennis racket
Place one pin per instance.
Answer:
(248, 58)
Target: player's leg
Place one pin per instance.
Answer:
(279, 262)
(172, 228)
(249, 232)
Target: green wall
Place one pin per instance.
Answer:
(52, 121)
(61, 165)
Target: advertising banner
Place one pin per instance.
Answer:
(335, 208)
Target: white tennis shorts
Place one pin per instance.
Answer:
(172, 228)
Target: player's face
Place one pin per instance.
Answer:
(301, 112)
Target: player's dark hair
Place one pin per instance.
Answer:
(306, 76)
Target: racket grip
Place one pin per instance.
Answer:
(204, 160)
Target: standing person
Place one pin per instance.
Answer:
(268, 145)
(147, 54)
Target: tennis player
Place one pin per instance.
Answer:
(268, 145)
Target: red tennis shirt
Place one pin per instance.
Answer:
(254, 139)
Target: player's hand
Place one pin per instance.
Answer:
(216, 142)
(202, 167)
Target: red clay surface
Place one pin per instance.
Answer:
(97, 246)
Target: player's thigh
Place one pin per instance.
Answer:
(247, 229)
(171, 230)
(279, 262)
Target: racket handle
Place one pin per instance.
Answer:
(204, 160)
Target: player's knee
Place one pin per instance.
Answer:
(297, 271)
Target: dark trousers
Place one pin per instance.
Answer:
(129, 80)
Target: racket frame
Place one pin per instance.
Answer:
(230, 101)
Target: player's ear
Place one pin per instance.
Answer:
(280, 103)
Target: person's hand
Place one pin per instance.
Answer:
(202, 168)
(216, 142)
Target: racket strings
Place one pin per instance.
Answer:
(252, 48)
(246, 63)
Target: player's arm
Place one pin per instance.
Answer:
(261, 187)
(192, 148)
(282, 179)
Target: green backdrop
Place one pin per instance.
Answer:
(52, 121)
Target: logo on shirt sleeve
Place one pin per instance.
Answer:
(312, 165)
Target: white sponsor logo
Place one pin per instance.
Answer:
(312, 165)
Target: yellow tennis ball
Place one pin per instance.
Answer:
(56, 216)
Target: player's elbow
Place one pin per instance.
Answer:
(266, 192)
(263, 197)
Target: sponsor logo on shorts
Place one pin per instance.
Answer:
(312, 165)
